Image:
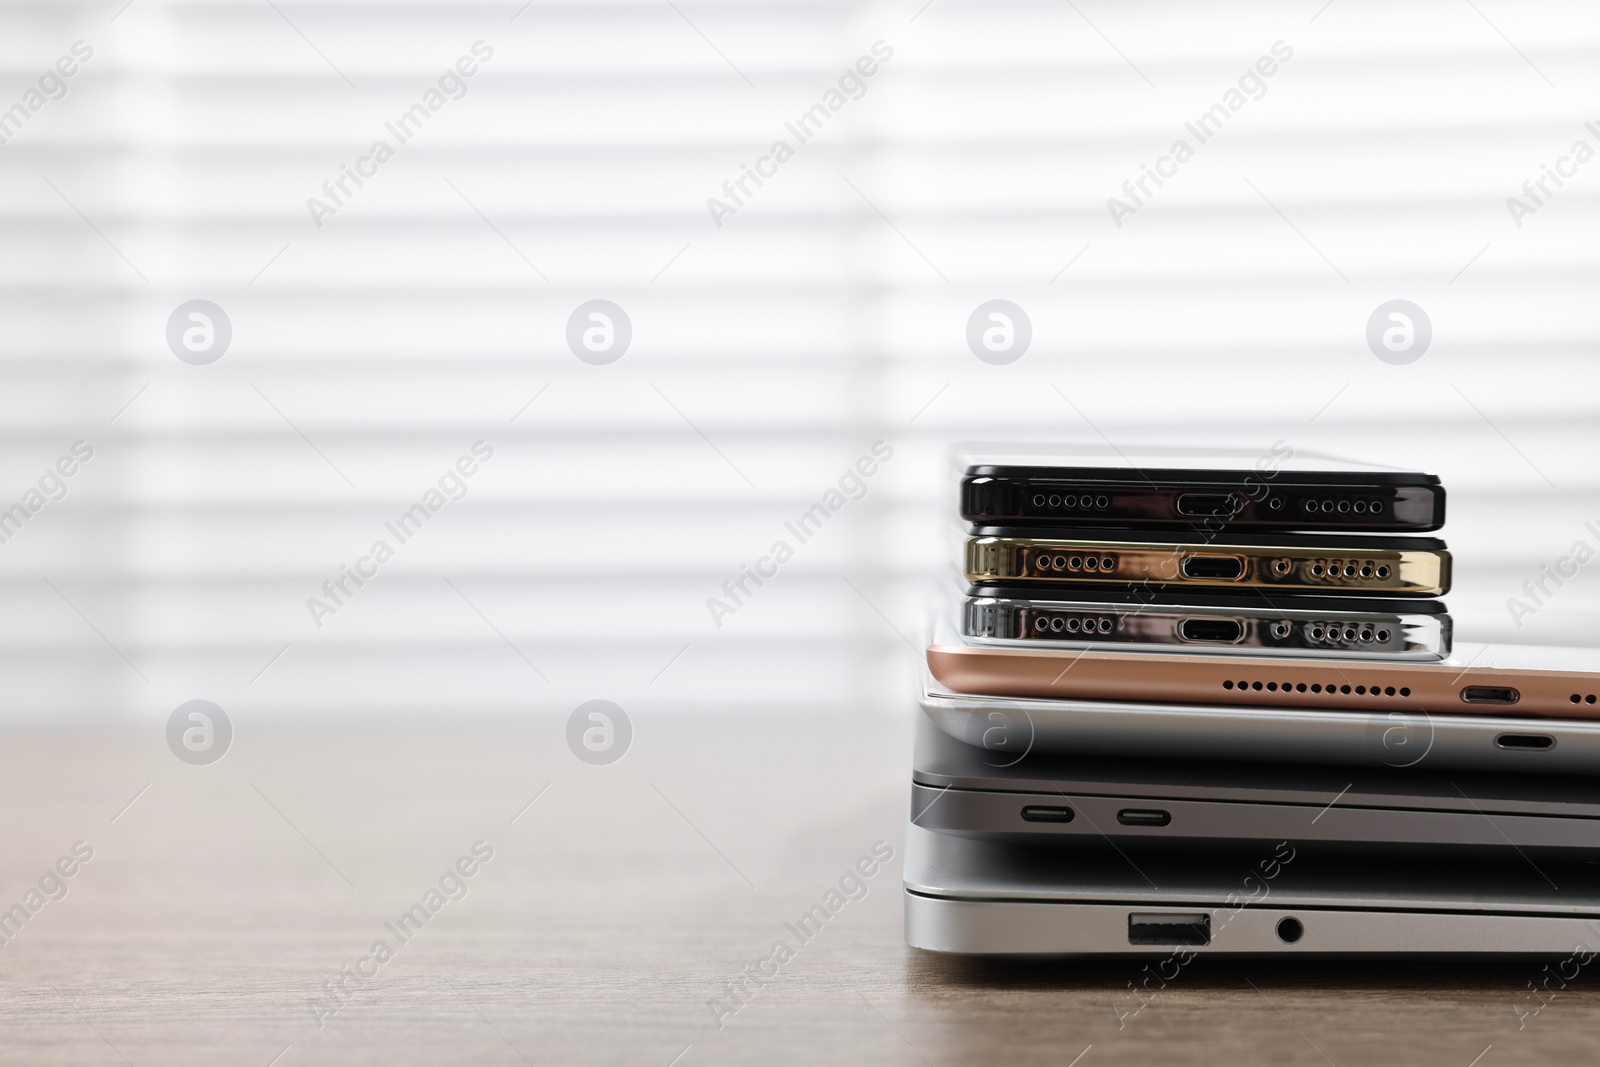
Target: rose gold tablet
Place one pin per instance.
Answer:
(1495, 679)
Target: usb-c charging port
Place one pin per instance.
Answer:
(1222, 568)
(1169, 928)
(1046, 813)
(1144, 817)
(1490, 694)
(1222, 631)
(1525, 742)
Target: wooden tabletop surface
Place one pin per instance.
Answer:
(220, 907)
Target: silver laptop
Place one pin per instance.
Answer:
(978, 896)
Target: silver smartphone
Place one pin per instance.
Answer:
(1010, 727)
(983, 897)
(1258, 625)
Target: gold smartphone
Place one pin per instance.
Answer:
(1354, 566)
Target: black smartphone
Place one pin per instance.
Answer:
(1270, 493)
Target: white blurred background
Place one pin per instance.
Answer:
(829, 312)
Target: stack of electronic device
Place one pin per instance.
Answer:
(1208, 703)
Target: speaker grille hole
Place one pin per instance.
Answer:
(1343, 506)
(1045, 624)
(1318, 687)
(1344, 569)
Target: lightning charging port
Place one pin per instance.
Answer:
(1220, 568)
(1216, 631)
(1203, 504)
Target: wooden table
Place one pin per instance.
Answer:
(615, 907)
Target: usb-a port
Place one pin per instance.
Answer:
(1169, 928)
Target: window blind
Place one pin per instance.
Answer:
(387, 333)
